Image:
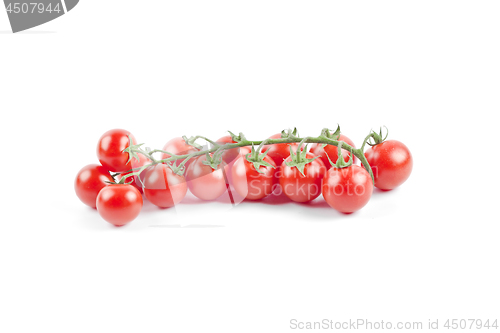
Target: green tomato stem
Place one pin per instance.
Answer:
(244, 142)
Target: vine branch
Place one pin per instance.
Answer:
(218, 148)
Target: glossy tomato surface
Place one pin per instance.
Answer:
(119, 204)
(391, 164)
(110, 150)
(163, 187)
(178, 146)
(281, 151)
(302, 188)
(242, 151)
(348, 189)
(204, 182)
(248, 182)
(136, 164)
(332, 151)
(229, 155)
(89, 181)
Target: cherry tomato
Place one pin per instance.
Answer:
(178, 146)
(347, 189)
(110, 150)
(332, 151)
(204, 182)
(89, 181)
(242, 151)
(143, 160)
(229, 155)
(279, 152)
(251, 184)
(119, 204)
(226, 139)
(302, 188)
(391, 164)
(163, 187)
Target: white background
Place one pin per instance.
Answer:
(428, 70)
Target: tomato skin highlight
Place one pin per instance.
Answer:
(204, 182)
(281, 151)
(302, 188)
(143, 160)
(391, 163)
(119, 204)
(178, 146)
(348, 189)
(163, 187)
(110, 150)
(89, 181)
(332, 151)
(248, 182)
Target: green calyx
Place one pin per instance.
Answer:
(237, 138)
(326, 133)
(132, 150)
(178, 169)
(299, 159)
(258, 159)
(213, 161)
(377, 137)
(289, 134)
(340, 159)
(192, 141)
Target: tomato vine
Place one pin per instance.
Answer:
(325, 138)
(251, 168)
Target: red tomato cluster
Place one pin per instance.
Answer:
(346, 189)
(116, 203)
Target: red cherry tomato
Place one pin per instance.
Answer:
(279, 152)
(89, 181)
(119, 204)
(178, 146)
(163, 187)
(110, 150)
(204, 182)
(242, 151)
(226, 139)
(302, 188)
(332, 151)
(228, 155)
(347, 189)
(391, 164)
(143, 160)
(251, 184)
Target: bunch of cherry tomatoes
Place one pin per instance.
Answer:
(116, 189)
